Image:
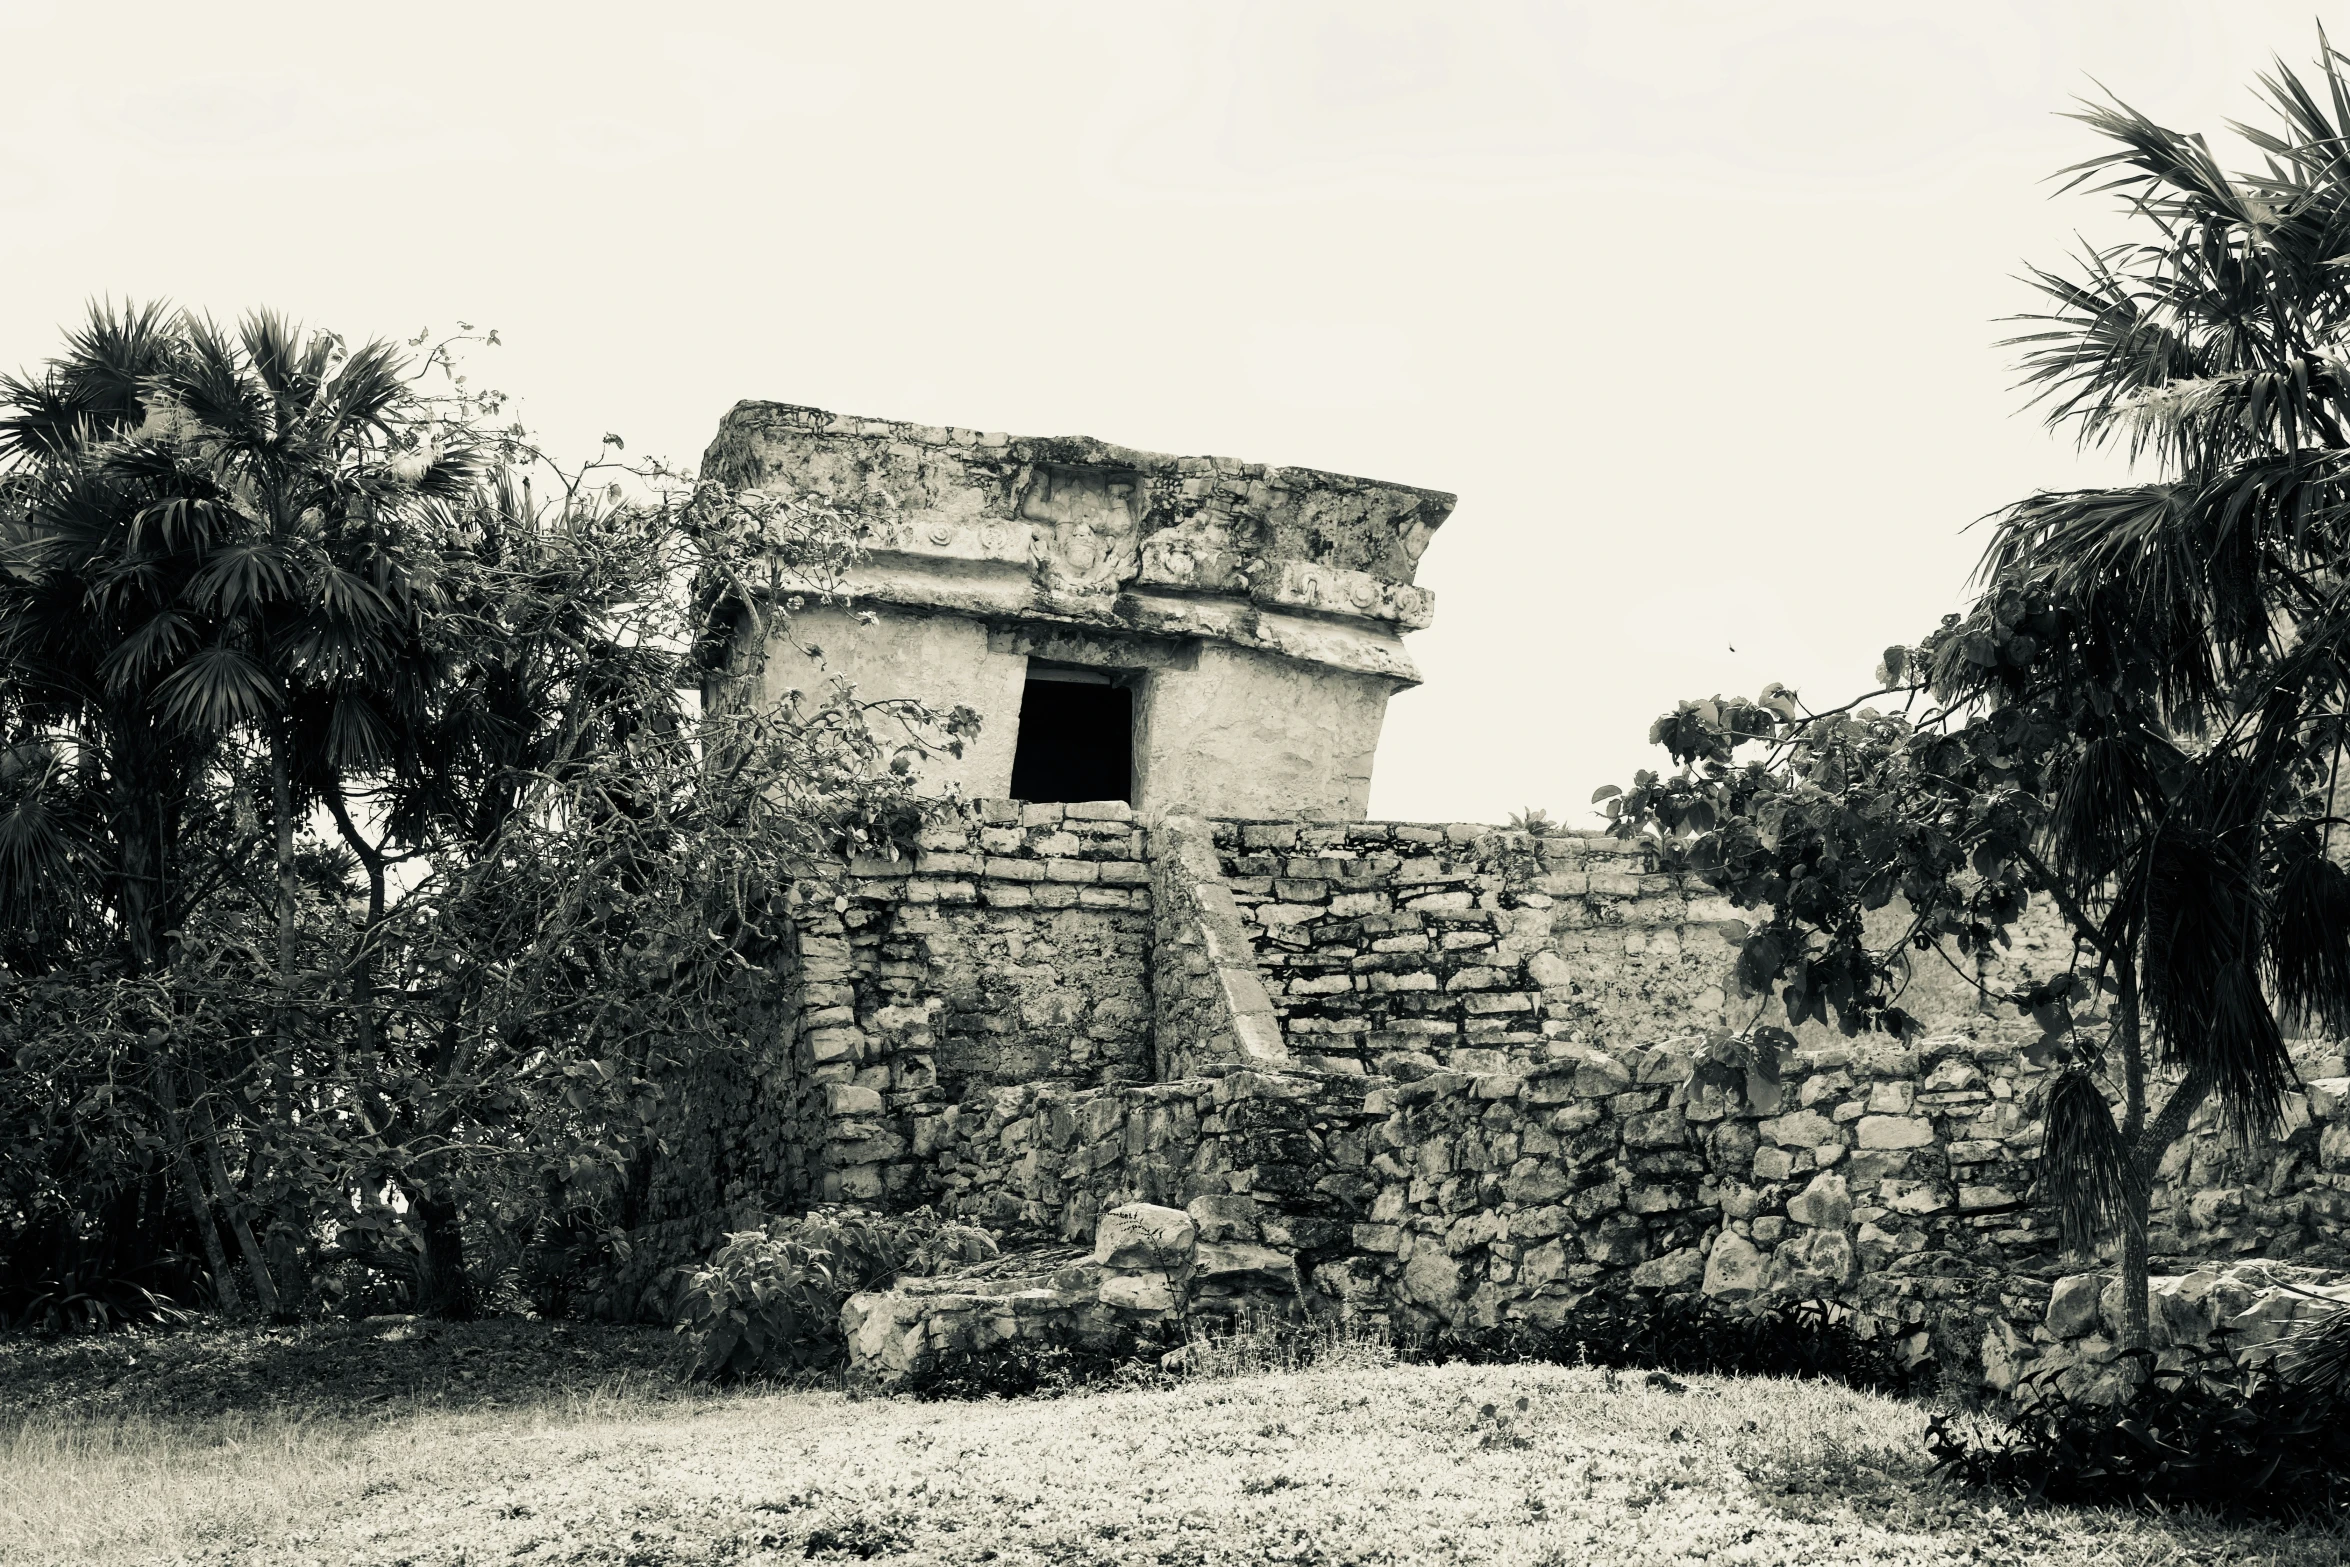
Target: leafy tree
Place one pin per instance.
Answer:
(2138, 720)
(510, 888)
(599, 876)
(202, 549)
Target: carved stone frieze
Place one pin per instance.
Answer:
(1314, 565)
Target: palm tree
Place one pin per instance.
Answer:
(2197, 634)
(208, 546)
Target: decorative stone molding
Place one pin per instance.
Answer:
(1067, 528)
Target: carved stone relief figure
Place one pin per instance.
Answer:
(1085, 541)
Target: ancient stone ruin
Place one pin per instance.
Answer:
(1182, 633)
(1209, 1042)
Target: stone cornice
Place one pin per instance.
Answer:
(1314, 565)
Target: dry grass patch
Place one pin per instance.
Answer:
(1337, 1464)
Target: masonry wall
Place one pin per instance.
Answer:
(1456, 1076)
(1896, 1180)
(1011, 948)
(1399, 947)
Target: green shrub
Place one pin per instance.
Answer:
(1643, 1330)
(768, 1301)
(2206, 1433)
(1021, 1368)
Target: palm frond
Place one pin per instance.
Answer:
(215, 689)
(2308, 934)
(2083, 1160)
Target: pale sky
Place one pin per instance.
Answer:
(1695, 306)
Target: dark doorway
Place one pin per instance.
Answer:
(1076, 738)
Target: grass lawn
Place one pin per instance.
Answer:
(1341, 1463)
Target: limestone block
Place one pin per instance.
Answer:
(2327, 1096)
(1876, 1247)
(1224, 1217)
(1144, 1235)
(1731, 1145)
(835, 1044)
(1803, 1129)
(1545, 1264)
(2275, 1311)
(1599, 1075)
(1822, 1085)
(2211, 1208)
(1652, 1199)
(1148, 1290)
(2005, 1355)
(1734, 1268)
(1616, 1246)
(1548, 970)
(1895, 1131)
(1432, 1278)
(887, 1333)
(1535, 1181)
(2072, 1305)
(848, 1099)
(1914, 1197)
(1890, 1097)
(1825, 1204)
(1817, 1262)
(1657, 1129)
(1378, 1237)
(1239, 1266)
(1675, 1270)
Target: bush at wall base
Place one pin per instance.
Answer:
(2206, 1433)
(768, 1301)
(1644, 1330)
(1632, 1331)
(1024, 1368)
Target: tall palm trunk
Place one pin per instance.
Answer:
(281, 801)
(2137, 1194)
(2144, 1141)
(443, 1290)
(191, 1185)
(208, 1132)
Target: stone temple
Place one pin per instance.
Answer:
(1181, 633)
(1154, 1002)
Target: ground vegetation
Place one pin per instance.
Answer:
(2138, 720)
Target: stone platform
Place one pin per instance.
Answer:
(1147, 1277)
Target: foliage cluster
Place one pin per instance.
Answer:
(371, 876)
(1028, 1368)
(1628, 1330)
(1648, 1330)
(2202, 1432)
(768, 1302)
(2137, 722)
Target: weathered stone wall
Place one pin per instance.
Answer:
(1459, 1076)
(1210, 1009)
(1895, 1179)
(2250, 1307)
(1012, 948)
(1399, 947)
(1254, 1156)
